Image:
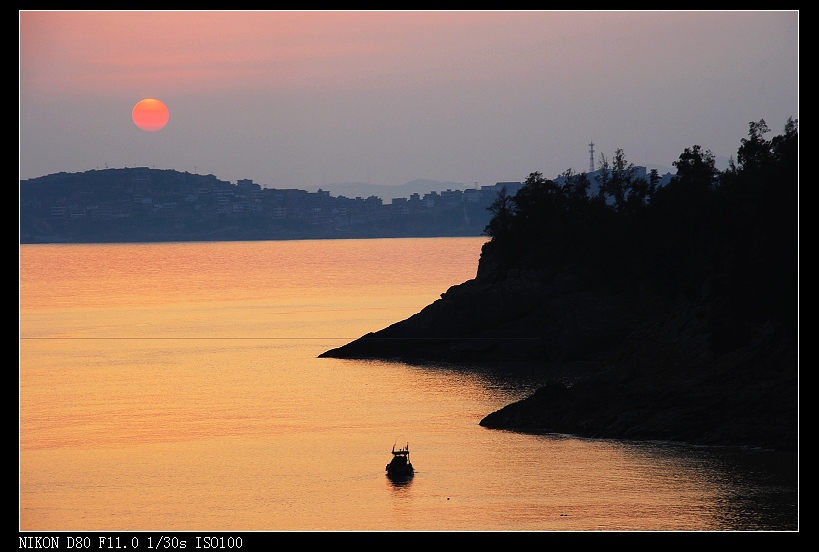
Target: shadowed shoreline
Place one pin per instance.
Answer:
(683, 297)
(619, 378)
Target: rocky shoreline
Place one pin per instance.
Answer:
(663, 372)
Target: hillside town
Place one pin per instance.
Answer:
(143, 204)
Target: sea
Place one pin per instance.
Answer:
(178, 387)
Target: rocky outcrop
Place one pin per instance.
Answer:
(666, 383)
(528, 316)
(661, 370)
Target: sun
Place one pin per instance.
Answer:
(150, 115)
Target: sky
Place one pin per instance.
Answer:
(294, 99)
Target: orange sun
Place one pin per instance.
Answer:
(150, 115)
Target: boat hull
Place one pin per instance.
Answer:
(400, 465)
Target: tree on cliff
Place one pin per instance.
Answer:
(502, 209)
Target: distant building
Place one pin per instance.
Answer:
(472, 195)
(511, 187)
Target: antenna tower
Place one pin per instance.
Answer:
(591, 157)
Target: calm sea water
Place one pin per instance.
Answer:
(177, 387)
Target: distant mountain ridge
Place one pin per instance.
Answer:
(141, 204)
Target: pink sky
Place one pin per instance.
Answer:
(183, 52)
(298, 99)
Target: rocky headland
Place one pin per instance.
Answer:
(647, 368)
(671, 312)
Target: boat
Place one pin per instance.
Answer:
(400, 465)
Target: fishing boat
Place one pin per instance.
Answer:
(400, 465)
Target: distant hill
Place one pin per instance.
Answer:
(147, 205)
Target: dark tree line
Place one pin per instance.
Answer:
(726, 238)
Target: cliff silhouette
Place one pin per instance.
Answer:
(663, 312)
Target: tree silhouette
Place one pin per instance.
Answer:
(502, 209)
(729, 239)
